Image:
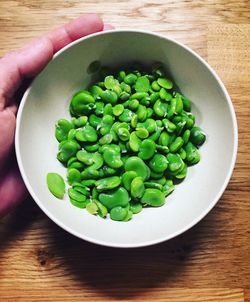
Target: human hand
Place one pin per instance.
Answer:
(15, 67)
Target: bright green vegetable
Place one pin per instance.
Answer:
(56, 184)
(131, 137)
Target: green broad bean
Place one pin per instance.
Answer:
(186, 103)
(71, 134)
(133, 104)
(121, 75)
(106, 124)
(106, 139)
(137, 187)
(123, 134)
(142, 84)
(71, 160)
(150, 125)
(75, 195)
(92, 208)
(165, 95)
(125, 87)
(108, 183)
(118, 197)
(118, 213)
(94, 120)
(197, 136)
(96, 92)
(154, 97)
(145, 101)
(150, 112)
(127, 178)
(126, 115)
(186, 136)
(88, 182)
(182, 153)
(134, 142)
(130, 79)
(118, 109)
(155, 136)
(180, 127)
(139, 96)
(124, 96)
(169, 126)
(80, 121)
(74, 175)
(136, 164)
(82, 103)
(141, 113)
(141, 132)
(160, 108)
(117, 89)
(99, 108)
(162, 149)
(176, 144)
(85, 157)
(56, 185)
(62, 129)
(102, 211)
(175, 162)
(67, 149)
(109, 96)
(135, 207)
(164, 139)
(160, 181)
(155, 86)
(112, 158)
(91, 147)
(153, 197)
(153, 185)
(86, 134)
(179, 104)
(165, 83)
(134, 121)
(81, 189)
(114, 147)
(108, 111)
(168, 187)
(193, 155)
(130, 135)
(172, 108)
(147, 149)
(182, 174)
(110, 82)
(79, 204)
(158, 163)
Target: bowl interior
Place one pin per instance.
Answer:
(48, 99)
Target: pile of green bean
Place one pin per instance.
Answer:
(131, 138)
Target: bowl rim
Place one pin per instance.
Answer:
(161, 239)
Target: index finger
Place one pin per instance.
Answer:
(31, 59)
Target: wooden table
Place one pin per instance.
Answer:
(211, 262)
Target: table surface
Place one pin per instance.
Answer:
(211, 262)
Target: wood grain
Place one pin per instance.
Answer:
(210, 262)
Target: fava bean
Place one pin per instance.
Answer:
(153, 197)
(56, 185)
(130, 137)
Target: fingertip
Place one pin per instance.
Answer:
(108, 27)
(84, 25)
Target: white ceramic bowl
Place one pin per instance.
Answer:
(48, 98)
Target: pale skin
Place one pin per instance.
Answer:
(15, 67)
